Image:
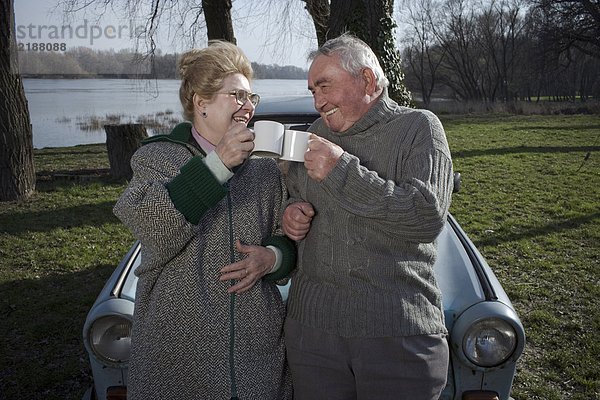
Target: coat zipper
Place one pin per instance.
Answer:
(231, 304)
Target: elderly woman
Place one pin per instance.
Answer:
(208, 317)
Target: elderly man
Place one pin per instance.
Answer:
(365, 318)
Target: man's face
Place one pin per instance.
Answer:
(339, 97)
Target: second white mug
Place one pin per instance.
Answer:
(295, 144)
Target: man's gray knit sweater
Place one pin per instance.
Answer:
(366, 266)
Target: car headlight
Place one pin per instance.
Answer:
(110, 339)
(489, 342)
(487, 335)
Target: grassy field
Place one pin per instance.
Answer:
(530, 200)
(531, 203)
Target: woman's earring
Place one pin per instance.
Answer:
(204, 114)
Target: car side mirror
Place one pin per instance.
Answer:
(456, 182)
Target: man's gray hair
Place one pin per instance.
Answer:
(354, 55)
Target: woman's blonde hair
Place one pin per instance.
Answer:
(202, 71)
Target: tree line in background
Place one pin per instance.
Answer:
(470, 50)
(84, 62)
(371, 20)
(502, 50)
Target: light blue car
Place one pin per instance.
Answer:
(486, 335)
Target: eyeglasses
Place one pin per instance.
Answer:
(242, 96)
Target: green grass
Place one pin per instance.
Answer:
(56, 251)
(529, 201)
(531, 204)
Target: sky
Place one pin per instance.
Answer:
(266, 39)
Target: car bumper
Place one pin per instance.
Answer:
(112, 393)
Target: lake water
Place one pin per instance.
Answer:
(69, 112)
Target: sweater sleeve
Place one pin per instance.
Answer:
(195, 190)
(288, 262)
(168, 193)
(413, 205)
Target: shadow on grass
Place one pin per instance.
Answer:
(95, 214)
(48, 180)
(61, 151)
(524, 149)
(502, 236)
(73, 174)
(561, 127)
(43, 356)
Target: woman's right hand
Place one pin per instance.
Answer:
(236, 145)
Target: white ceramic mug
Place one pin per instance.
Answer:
(295, 145)
(268, 138)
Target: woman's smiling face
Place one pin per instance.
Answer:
(340, 98)
(223, 110)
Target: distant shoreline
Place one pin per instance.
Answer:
(86, 63)
(117, 76)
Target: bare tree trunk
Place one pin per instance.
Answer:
(319, 12)
(17, 173)
(121, 142)
(373, 22)
(342, 14)
(217, 14)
